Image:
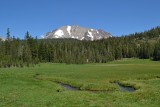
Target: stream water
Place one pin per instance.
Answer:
(122, 87)
(125, 88)
(68, 87)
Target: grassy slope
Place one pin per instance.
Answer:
(19, 88)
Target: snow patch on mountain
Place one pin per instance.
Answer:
(99, 37)
(59, 33)
(73, 37)
(97, 32)
(69, 29)
(90, 35)
(82, 38)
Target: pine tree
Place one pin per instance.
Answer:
(156, 54)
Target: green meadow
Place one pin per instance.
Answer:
(37, 86)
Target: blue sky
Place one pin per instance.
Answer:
(119, 17)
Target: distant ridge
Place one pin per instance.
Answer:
(77, 32)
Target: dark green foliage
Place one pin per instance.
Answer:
(18, 53)
(156, 54)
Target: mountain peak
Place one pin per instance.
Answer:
(77, 32)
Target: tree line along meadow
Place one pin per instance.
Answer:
(15, 52)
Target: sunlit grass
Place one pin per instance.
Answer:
(35, 86)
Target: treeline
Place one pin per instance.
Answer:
(153, 33)
(18, 53)
(30, 51)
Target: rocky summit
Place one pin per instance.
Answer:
(77, 32)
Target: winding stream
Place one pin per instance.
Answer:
(122, 87)
(69, 87)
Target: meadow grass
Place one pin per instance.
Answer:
(36, 86)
